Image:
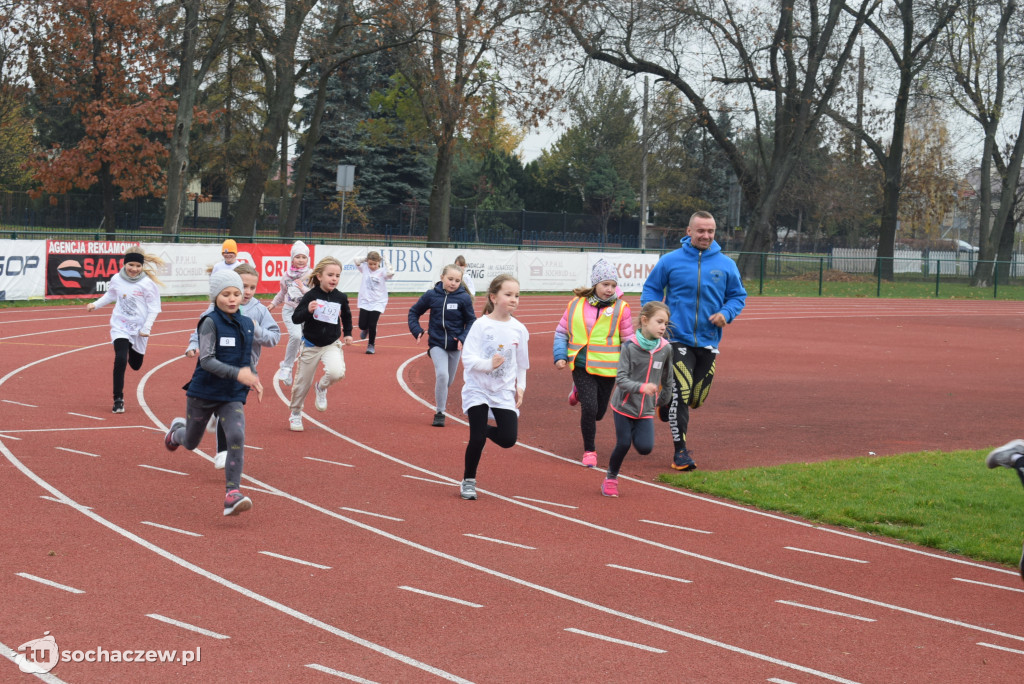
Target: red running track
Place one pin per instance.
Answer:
(359, 562)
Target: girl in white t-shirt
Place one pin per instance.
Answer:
(373, 295)
(495, 358)
(136, 299)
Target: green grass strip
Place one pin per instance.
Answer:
(945, 501)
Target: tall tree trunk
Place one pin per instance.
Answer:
(107, 188)
(439, 217)
(177, 164)
(249, 202)
(305, 160)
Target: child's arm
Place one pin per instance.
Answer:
(415, 311)
(193, 339)
(560, 347)
(282, 294)
(266, 332)
(389, 272)
(152, 298)
(107, 298)
(623, 376)
(668, 381)
(346, 319)
(301, 313)
(522, 365)
(626, 323)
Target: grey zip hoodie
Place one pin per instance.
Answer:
(637, 366)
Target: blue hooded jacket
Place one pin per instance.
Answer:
(451, 316)
(695, 284)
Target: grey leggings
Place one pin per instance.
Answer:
(445, 365)
(232, 420)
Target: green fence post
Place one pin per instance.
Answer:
(821, 273)
(938, 271)
(760, 287)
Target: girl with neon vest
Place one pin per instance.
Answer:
(587, 339)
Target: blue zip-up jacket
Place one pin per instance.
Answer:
(234, 348)
(695, 284)
(451, 316)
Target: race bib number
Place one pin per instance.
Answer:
(657, 365)
(227, 341)
(327, 312)
(452, 305)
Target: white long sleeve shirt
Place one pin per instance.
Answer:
(136, 306)
(484, 384)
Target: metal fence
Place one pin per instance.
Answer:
(74, 214)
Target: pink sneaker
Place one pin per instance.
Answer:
(590, 458)
(573, 399)
(610, 487)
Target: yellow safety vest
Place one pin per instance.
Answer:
(602, 340)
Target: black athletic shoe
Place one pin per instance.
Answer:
(438, 420)
(682, 460)
(118, 406)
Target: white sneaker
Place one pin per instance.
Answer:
(295, 422)
(211, 426)
(220, 459)
(321, 398)
(285, 376)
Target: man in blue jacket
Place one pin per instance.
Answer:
(703, 290)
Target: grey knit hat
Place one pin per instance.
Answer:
(603, 271)
(222, 279)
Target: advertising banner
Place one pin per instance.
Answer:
(81, 268)
(552, 271)
(185, 268)
(22, 269)
(633, 269)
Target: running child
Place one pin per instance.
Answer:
(451, 317)
(229, 252)
(588, 339)
(324, 315)
(467, 280)
(644, 379)
(495, 359)
(1010, 455)
(136, 298)
(265, 334)
(373, 295)
(293, 286)
(220, 383)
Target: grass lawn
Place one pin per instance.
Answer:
(946, 501)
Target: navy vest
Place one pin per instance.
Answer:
(206, 385)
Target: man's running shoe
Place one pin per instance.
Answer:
(682, 460)
(1005, 455)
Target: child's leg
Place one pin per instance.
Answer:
(624, 434)
(605, 385)
(222, 440)
(334, 365)
(371, 324)
(232, 419)
(291, 352)
(506, 431)
(477, 416)
(121, 349)
(587, 393)
(444, 375)
(197, 413)
(364, 322)
(135, 359)
(309, 357)
(643, 436)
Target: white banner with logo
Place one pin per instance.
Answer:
(417, 269)
(22, 269)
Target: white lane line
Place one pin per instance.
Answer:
(826, 555)
(776, 680)
(652, 574)
(336, 673)
(250, 488)
(677, 527)
(1000, 648)
(430, 479)
(170, 529)
(50, 583)
(9, 653)
(185, 625)
(500, 541)
(76, 451)
(162, 470)
(4, 435)
(375, 515)
(546, 503)
(324, 460)
(823, 610)
(18, 403)
(442, 597)
(250, 446)
(60, 501)
(82, 415)
(613, 640)
(296, 560)
(84, 429)
(986, 584)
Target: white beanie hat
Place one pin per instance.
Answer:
(223, 279)
(602, 271)
(299, 247)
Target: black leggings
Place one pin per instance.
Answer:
(504, 434)
(124, 356)
(368, 321)
(593, 391)
(638, 432)
(694, 369)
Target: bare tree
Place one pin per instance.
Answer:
(775, 66)
(985, 56)
(905, 34)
